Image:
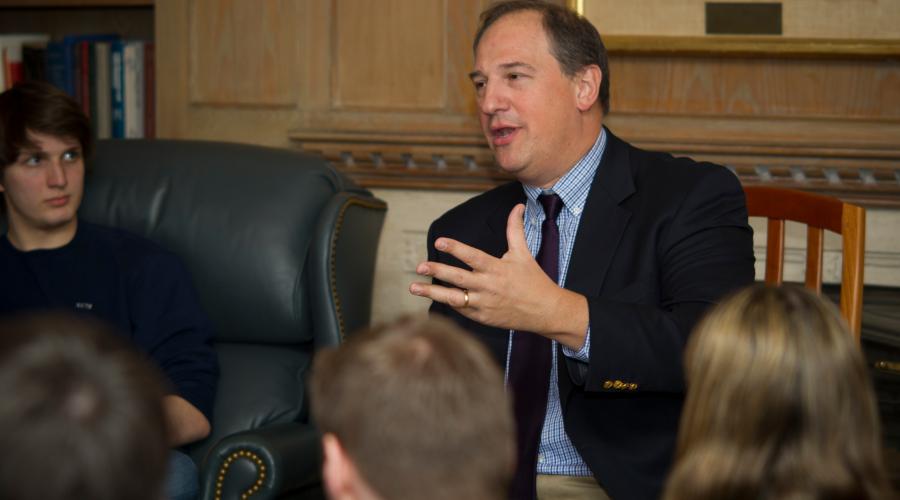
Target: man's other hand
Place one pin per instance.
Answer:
(184, 421)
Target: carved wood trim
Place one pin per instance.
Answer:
(869, 177)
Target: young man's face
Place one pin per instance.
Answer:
(42, 188)
(527, 104)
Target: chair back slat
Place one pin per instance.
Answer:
(854, 250)
(815, 247)
(775, 252)
(817, 212)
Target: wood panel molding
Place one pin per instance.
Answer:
(231, 64)
(751, 47)
(865, 175)
(398, 66)
(406, 36)
(839, 89)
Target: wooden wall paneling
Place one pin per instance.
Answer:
(316, 53)
(172, 39)
(647, 17)
(821, 115)
(837, 19)
(461, 27)
(390, 54)
(398, 74)
(245, 52)
(757, 87)
(244, 110)
(800, 18)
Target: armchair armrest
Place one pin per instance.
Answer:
(262, 463)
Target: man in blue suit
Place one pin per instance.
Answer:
(639, 245)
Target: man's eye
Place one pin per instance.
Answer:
(479, 85)
(71, 155)
(32, 160)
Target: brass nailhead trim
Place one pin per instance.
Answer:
(333, 261)
(260, 475)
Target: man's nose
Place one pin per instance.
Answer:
(493, 99)
(56, 174)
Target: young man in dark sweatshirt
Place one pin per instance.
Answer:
(49, 259)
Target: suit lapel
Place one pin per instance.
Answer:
(603, 220)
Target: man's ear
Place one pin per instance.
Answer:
(587, 87)
(336, 470)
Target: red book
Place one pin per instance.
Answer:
(83, 75)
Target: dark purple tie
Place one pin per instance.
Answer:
(529, 366)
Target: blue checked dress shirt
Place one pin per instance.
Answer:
(556, 454)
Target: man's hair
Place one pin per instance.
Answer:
(81, 413)
(779, 405)
(574, 41)
(420, 408)
(39, 107)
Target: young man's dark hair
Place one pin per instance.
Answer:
(415, 409)
(575, 42)
(39, 107)
(80, 415)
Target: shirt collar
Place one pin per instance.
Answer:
(573, 187)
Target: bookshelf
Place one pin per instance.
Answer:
(76, 3)
(130, 18)
(113, 79)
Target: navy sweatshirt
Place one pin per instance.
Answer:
(129, 281)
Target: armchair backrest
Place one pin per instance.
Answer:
(280, 246)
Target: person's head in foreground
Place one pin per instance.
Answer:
(779, 405)
(80, 414)
(415, 409)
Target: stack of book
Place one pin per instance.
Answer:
(112, 79)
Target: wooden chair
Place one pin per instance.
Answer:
(818, 212)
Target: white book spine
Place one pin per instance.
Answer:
(134, 90)
(103, 120)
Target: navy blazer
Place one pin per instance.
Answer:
(659, 241)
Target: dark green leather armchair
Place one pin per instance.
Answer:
(281, 249)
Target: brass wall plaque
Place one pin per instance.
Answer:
(743, 18)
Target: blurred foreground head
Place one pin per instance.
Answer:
(415, 409)
(80, 413)
(779, 405)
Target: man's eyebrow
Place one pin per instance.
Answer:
(505, 66)
(517, 65)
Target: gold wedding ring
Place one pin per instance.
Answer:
(465, 297)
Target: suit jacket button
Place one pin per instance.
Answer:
(632, 386)
(618, 384)
(607, 385)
